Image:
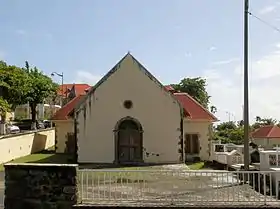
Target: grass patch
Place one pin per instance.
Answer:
(196, 166)
(41, 158)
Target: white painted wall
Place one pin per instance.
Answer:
(153, 107)
(62, 128)
(19, 145)
(264, 159)
(225, 157)
(267, 143)
(202, 129)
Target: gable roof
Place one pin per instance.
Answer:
(169, 88)
(267, 132)
(114, 69)
(65, 112)
(79, 89)
(193, 109)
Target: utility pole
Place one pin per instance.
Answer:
(62, 77)
(228, 113)
(246, 87)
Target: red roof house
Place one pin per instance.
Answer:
(193, 110)
(75, 89)
(66, 111)
(169, 88)
(267, 132)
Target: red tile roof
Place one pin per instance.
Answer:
(194, 110)
(80, 89)
(169, 88)
(64, 112)
(267, 132)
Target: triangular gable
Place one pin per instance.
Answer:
(114, 69)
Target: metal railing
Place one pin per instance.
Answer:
(159, 187)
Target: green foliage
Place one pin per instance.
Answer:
(4, 106)
(231, 132)
(41, 87)
(13, 84)
(226, 126)
(213, 109)
(196, 87)
(263, 122)
(22, 85)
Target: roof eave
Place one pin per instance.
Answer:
(200, 120)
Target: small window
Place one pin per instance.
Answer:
(192, 144)
(127, 104)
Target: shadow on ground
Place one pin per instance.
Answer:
(55, 158)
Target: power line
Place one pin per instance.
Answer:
(265, 22)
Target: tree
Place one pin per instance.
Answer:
(41, 87)
(263, 122)
(4, 106)
(196, 87)
(13, 85)
(213, 109)
(229, 132)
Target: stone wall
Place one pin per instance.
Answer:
(44, 186)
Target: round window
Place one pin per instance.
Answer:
(127, 104)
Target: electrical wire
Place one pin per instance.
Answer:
(264, 22)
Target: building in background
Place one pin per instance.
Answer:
(65, 94)
(267, 137)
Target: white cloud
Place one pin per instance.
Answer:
(267, 67)
(267, 9)
(212, 48)
(86, 77)
(224, 62)
(226, 88)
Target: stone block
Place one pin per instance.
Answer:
(42, 186)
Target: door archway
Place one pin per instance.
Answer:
(128, 141)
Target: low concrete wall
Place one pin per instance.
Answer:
(40, 186)
(18, 145)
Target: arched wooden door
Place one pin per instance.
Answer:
(129, 142)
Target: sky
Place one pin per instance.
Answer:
(175, 39)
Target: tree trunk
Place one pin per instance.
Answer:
(2, 124)
(33, 116)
